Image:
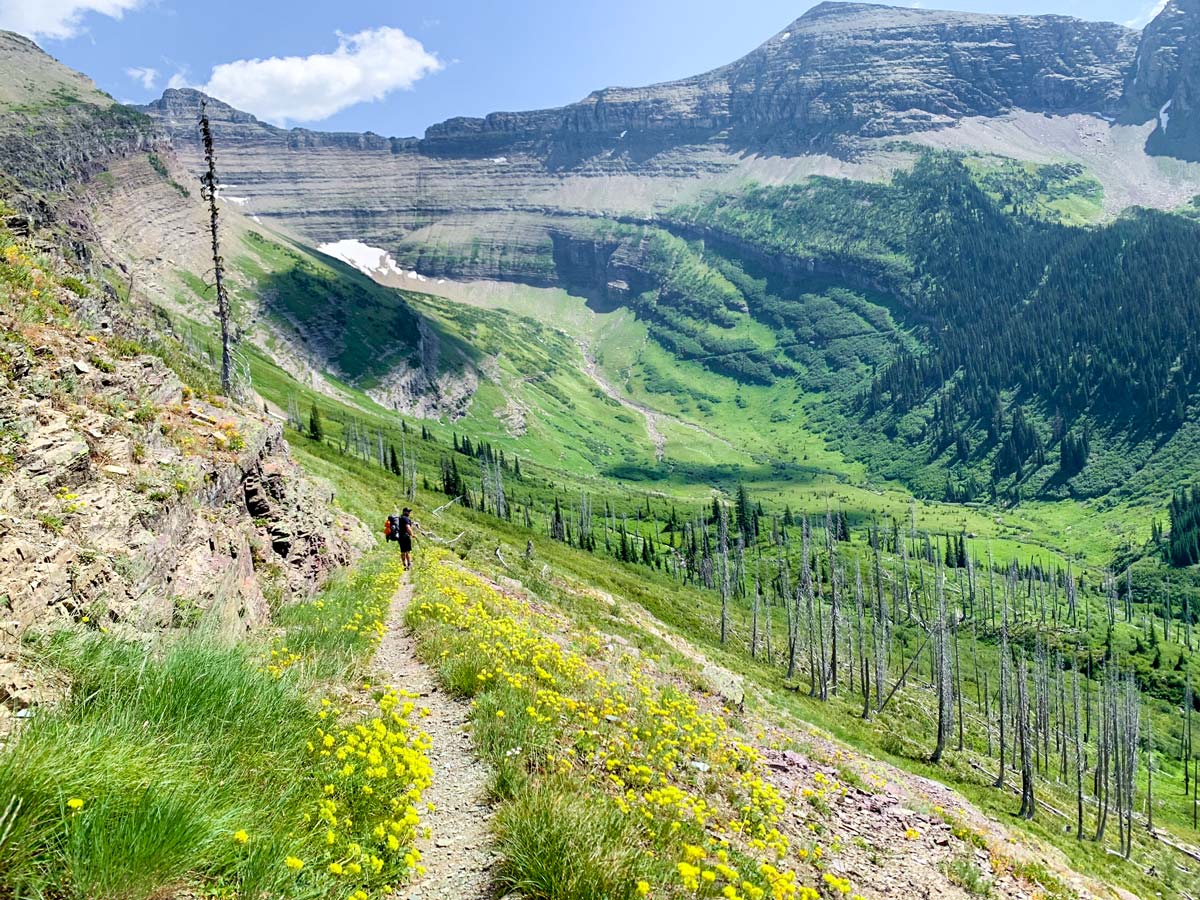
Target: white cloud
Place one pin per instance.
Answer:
(57, 18)
(178, 80)
(144, 75)
(1147, 15)
(365, 66)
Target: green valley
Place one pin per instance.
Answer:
(801, 459)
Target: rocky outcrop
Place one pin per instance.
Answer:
(126, 502)
(129, 504)
(1165, 85)
(423, 387)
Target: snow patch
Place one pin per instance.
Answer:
(1164, 116)
(785, 35)
(622, 134)
(240, 201)
(363, 257)
(500, 160)
(367, 259)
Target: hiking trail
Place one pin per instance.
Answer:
(458, 858)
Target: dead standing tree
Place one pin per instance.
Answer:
(944, 683)
(209, 186)
(1024, 738)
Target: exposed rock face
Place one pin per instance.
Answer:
(1166, 81)
(127, 504)
(840, 72)
(490, 197)
(842, 69)
(55, 127)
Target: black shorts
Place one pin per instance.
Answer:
(405, 544)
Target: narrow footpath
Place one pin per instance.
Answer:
(458, 858)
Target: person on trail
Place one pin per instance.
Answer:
(405, 536)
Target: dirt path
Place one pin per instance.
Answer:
(458, 858)
(592, 369)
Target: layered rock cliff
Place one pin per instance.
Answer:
(842, 70)
(1165, 84)
(490, 197)
(839, 73)
(126, 501)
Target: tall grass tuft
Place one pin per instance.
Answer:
(558, 843)
(184, 765)
(170, 755)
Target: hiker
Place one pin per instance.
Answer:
(400, 528)
(404, 535)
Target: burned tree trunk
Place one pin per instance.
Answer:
(209, 186)
(1028, 806)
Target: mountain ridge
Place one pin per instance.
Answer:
(783, 92)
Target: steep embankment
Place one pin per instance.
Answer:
(615, 736)
(128, 502)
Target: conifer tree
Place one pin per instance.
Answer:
(316, 430)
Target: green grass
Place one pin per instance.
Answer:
(1057, 192)
(560, 842)
(171, 755)
(171, 749)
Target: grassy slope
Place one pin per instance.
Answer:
(776, 447)
(718, 430)
(895, 735)
(366, 491)
(208, 764)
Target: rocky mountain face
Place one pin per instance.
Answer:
(839, 73)
(842, 70)
(1166, 81)
(496, 197)
(121, 493)
(57, 128)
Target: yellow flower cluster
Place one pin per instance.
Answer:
(677, 771)
(368, 777)
(371, 778)
(282, 659)
(24, 283)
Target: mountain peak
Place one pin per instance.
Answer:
(880, 15)
(186, 102)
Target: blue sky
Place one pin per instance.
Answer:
(400, 66)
